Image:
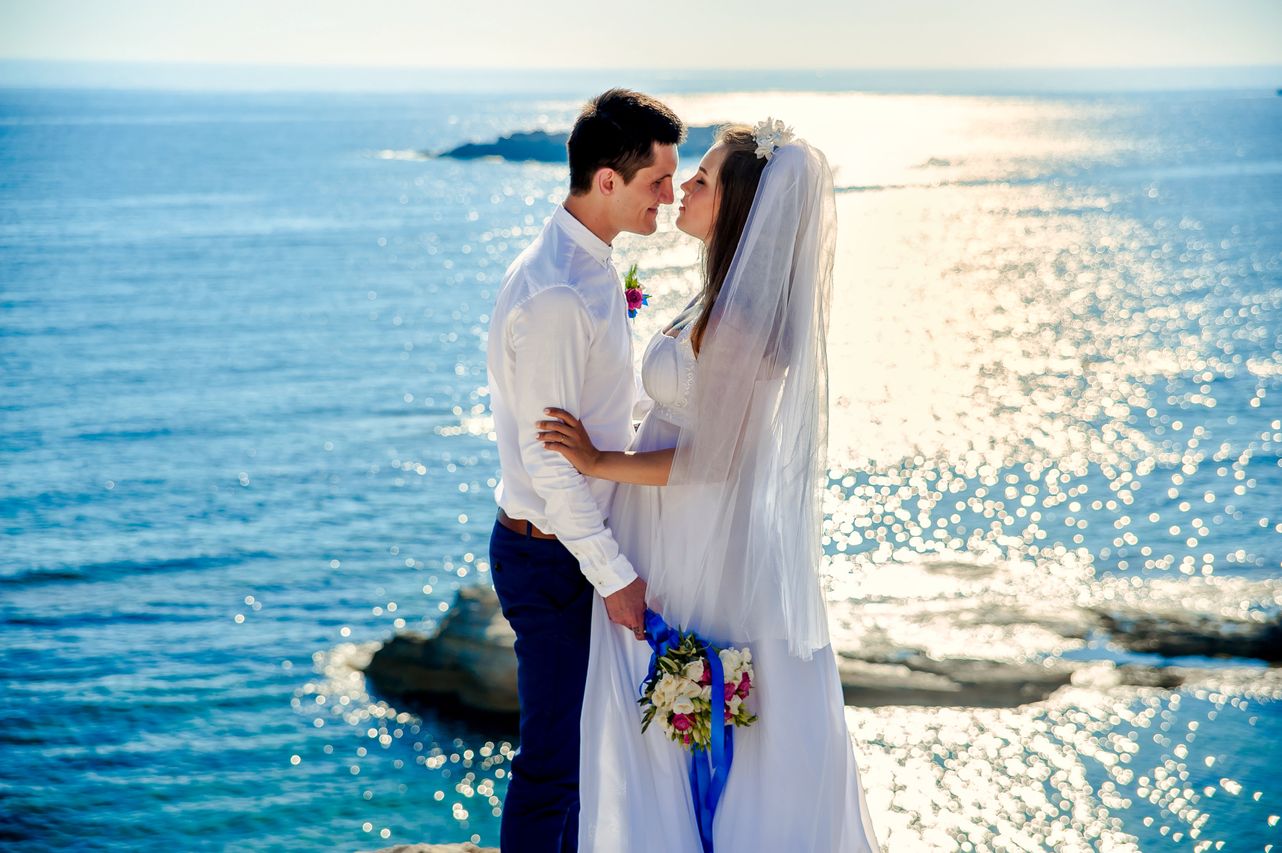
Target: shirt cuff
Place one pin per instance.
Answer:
(609, 578)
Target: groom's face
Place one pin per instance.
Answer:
(636, 203)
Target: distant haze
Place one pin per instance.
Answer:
(559, 34)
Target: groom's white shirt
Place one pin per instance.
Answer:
(559, 336)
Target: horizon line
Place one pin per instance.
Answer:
(250, 77)
(209, 63)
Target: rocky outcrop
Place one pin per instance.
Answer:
(470, 661)
(544, 147)
(919, 680)
(539, 146)
(1195, 635)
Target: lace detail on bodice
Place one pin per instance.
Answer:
(667, 371)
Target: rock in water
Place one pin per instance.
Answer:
(920, 680)
(537, 145)
(544, 147)
(470, 661)
(1196, 635)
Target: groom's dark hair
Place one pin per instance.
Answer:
(617, 130)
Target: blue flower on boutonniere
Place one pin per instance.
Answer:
(632, 291)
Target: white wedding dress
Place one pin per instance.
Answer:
(794, 784)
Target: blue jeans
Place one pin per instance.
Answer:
(548, 602)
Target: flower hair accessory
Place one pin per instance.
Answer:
(636, 297)
(771, 134)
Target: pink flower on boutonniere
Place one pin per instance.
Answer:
(632, 291)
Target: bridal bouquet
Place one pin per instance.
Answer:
(696, 690)
(678, 691)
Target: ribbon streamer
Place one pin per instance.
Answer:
(709, 769)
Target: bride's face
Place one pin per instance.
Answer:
(699, 196)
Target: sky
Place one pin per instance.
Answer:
(561, 34)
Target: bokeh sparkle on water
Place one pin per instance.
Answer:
(1055, 374)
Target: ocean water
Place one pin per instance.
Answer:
(244, 436)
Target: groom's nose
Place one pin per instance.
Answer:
(666, 195)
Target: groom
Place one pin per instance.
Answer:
(559, 336)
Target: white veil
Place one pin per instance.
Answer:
(752, 464)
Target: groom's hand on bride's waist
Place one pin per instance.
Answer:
(627, 607)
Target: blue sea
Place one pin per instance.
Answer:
(244, 437)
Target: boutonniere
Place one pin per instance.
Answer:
(632, 291)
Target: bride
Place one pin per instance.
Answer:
(720, 513)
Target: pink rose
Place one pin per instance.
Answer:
(730, 689)
(745, 684)
(681, 723)
(634, 298)
(706, 678)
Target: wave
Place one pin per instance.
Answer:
(1008, 181)
(125, 434)
(403, 154)
(115, 617)
(116, 569)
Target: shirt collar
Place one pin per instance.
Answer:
(579, 233)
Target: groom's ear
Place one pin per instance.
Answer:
(606, 180)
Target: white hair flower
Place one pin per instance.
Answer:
(770, 134)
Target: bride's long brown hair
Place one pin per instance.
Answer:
(736, 188)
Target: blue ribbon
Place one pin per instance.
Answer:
(710, 769)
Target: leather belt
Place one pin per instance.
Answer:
(522, 527)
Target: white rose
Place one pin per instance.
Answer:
(665, 691)
(694, 670)
(731, 660)
(733, 705)
(688, 688)
(683, 705)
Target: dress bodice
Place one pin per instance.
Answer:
(667, 372)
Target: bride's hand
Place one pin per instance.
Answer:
(567, 437)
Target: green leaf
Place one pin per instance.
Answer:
(630, 279)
